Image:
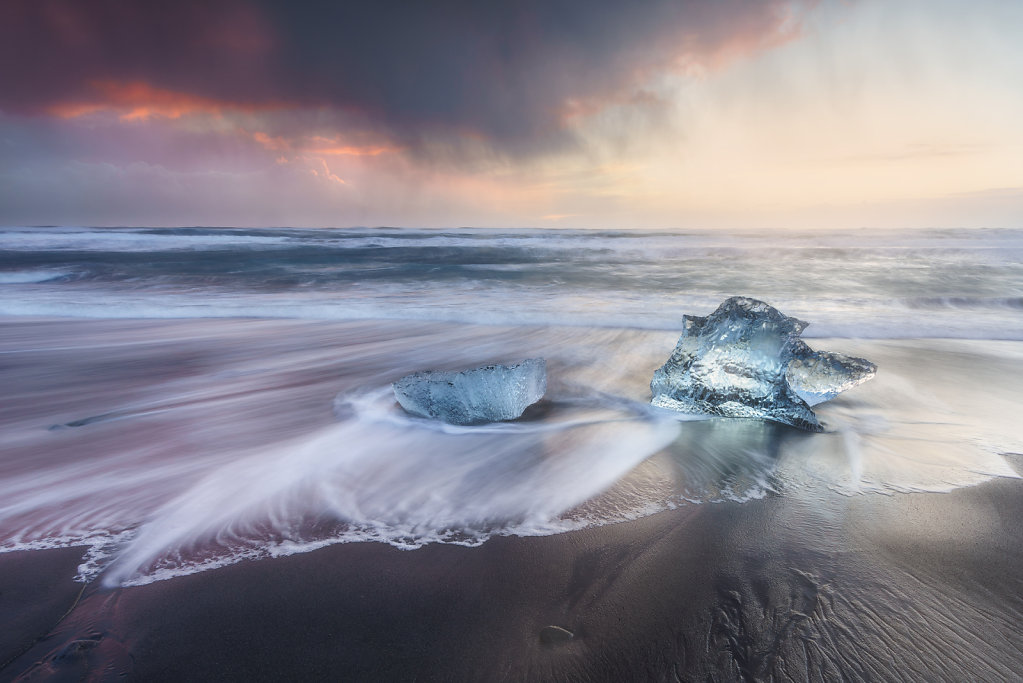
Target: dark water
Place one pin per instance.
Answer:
(963, 284)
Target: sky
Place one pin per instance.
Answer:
(685, 114)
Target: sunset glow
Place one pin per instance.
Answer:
(773, 114)
(511, 340)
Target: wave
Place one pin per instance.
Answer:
(372, 477)
(882, 286)
(944, 321)
(651, 246)
(24, 277)
(379, 475)
(130, 240)
(966, 303)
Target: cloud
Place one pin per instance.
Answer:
(137, 100)
(450, 75)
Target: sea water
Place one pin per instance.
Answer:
(179, 399)
(864, 284)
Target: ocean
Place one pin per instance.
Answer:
(180, 401)
(962, 284)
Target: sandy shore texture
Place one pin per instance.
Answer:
(878, 551)
(908, 587)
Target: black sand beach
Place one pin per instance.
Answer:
(571, 341)
(924, 587)
(769, 563)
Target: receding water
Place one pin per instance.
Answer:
(168, 447)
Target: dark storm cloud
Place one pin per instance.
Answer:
(505, 73)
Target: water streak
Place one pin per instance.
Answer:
(201, 443)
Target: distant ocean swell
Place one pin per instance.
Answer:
(952, 284)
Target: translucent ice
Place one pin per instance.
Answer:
(746, 360)
(488, 394)
(819, 376)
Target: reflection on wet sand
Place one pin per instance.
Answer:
(697, 549)
(198, 444)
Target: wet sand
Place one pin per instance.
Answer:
(909, 587)
(35, 594)
(808, 582)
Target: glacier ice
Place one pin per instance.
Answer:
(819, 376)
(746, 360)
(488, 394)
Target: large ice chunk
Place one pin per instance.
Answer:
(487, 394)
(746, 360)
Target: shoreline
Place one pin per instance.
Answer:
(724, 588)
(670, 328)
(809, 581)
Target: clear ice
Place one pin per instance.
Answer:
(488, 394)
(746, 360)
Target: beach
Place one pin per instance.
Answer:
(553, 342)
(206, 475)
(725, 592)
(733, 550)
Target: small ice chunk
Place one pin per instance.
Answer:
(746, 360)
(487, 394)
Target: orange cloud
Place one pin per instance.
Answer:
(337, 147)
(325, 172)
(274, 144)
(138, 101)
(318, 146)
(354, 151)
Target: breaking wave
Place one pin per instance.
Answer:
(24, 277)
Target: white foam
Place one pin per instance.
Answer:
(128, 240)
(24, 277)
(145, 509)
(990, 324)
(403, 485)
